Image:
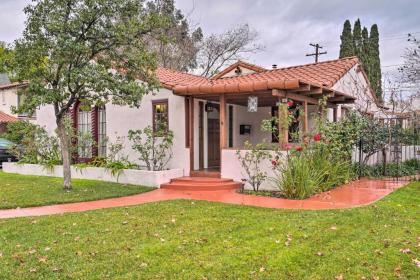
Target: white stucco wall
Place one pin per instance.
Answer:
(120, 119)
(126, 176)
(232, 169)
(8, 98)
(355, 84)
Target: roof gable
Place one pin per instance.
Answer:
(241, 65)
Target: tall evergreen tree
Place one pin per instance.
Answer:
(357, 38)
(346, 47)
(365, 53)
(375, 75)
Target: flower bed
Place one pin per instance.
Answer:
(125, 176)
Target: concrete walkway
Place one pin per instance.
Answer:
(358, 193)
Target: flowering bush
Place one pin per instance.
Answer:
(308, 168)
(251, 163)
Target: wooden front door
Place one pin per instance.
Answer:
(213, 143)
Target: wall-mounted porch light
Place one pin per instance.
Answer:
(252, 104)
(209, 107)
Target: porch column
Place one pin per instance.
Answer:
(305, 116)
(191, 130)
(334, 114)
(283, 127)
(222, 120)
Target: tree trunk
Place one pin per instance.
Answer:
(65, 152)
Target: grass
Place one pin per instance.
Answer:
(203, 240)
(25, 191)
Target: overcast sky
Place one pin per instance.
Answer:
(285, 27)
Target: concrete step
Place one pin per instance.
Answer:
(209, 174)
(201, 180)
(201, 184)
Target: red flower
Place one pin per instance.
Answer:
(317, 137)
(274, 163)
(299, 148)
(290, 104)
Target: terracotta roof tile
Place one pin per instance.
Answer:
(323, 74)
(7, 118)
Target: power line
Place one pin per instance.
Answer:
(317, 53)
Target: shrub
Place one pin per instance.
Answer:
(251, 163)
(296, 178)
(154, 147)
(19, 131)
(36, 147)
(392, 169)
(310, 170)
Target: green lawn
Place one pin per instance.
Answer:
(202, 240)
(24, 191)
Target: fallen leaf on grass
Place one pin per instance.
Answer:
(333, 228)
(143, 265)
(405, 251)
(339, 277)
(43, 259)
(262, 269)
(32, 251)
(32, 270)
(125, 222)
(397, 272)
(47, 249)
(379, 252)
(319, 254)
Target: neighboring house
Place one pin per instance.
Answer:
(212, 117)
(4, 120)
(9, 97)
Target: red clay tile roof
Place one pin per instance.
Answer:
(170, 78)
(7, 118)
(240, 63)
(323, 74)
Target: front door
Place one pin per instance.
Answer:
(213, 143)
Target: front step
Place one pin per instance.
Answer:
(201, 184)
(208, 174)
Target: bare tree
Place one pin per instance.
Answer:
(411, 69)
(216, 51)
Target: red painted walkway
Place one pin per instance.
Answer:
(358, 193)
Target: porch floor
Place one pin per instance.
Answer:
(358, 193)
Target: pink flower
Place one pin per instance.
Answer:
(290, 104)
(299, 148)
(317, 137)
(274, 163)
(287, 146)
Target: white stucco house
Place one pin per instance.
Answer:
(212, 117)
(9, 98)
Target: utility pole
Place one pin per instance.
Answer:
(317, 53)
